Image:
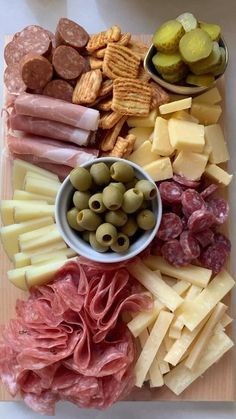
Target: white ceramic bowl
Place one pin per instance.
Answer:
(72, 238)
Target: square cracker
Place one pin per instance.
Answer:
(109, 119)
(87, 87)
(131, 97)
(119, 61)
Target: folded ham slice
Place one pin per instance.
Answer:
(46, 107)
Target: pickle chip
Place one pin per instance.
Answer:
(220, 68)
(167, 37)
(188, 21)
(168, 63)
(176, 77)
(195, 45)
(201, 81)
(207, 64)
(212, 30)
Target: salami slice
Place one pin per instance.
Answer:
(194, 184)
(205, 237)
(60, 89)
(71, 34)
(192, 201)
(222, 239)
(13, 80)
(220, 208)
(214, 257)
(170, 227)
(200, 220)
(189, 245)
(173, 253)
(171, 192)
(156, 246)
(209, 190)
(36, 71)
(67, 62)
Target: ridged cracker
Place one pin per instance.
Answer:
(99, 53)
(131, 97)
(123, 146)
(105, 104)
(87, 87)
(111, 135)
(101, 39)
(124, 39)
(138, 48)
(109, 119)
(95, 63)
(119, 61)
(143, 74)
(106, 87)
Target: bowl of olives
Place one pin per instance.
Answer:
(108, 210)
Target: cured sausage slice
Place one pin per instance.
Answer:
(60, 89)
(171, 226)
(36, 71)
(209, 191)
(156, 246)
(171, 192)
(194, 184)
(173, 253)
(13, 80)
(70, 33)
(220, 208)
(192, 201)
(67, 62)
(214, 257)
(222, 239)
(201, 220)
(205, 237)
(189, 245)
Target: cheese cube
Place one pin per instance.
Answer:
(161, 140)
(217, 174)
(20, 168)
(186, 135)
(184, 116)
(160, 169)
(143, 155)
(206, 114)
(214, 138)
(190, 165)
(175, 106)
(210, 97)
(143, 121)
(141, 134)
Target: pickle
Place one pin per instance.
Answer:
(207, 64)
(212, 30)
(167, 37)
(220, 68)
(195, 45)
(205, 80)
(175, 77)
(168, 63)
(188, 21)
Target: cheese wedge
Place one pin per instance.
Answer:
(41, 186)
(215, 140)
(144, 122)
(31, 212)
(218, 175)
(22, 259)
(7, 209)
(210, 97)
(161, 140)
(206, 114)
(144, 319)
(163, 365)
(143, 155)
(141, 134)
(46, 239)
(175, 106)
(24, 237)
(181, 286)
(186, 135)
(190, 165)
(39, 275)
(160, 169)
(184, 116)
(20, 168)
(29, 196)
(17, 277)
(47, 257)
(156, 379)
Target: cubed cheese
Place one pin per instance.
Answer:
(186, 135)
(217, 174)
(206, 114)
(210, 97)
(161, 140)
(143, 155)
(143, 121)
(141, 134)
(160, 169)
(184, 116)
(178, 105)
(214, 138)
(190, 165)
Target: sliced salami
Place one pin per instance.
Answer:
(222, 239)
(67, 62)
(70, 33)
(60, 89)
(173, 253)
(156, 246)
(189, 245)
(188, 183)
(13, 80)
(171, 192)
(201, 220)
(192, 201)
(209, 190)
(170, 227)
(184, 223)
(36, 71)
(205, 237)
(220, 208)
(214, 257)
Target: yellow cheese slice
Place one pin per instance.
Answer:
(29, 196)
(161, 140)
(143, 155)
(217, 174)
(206, 114)
(141, 134)
(39, 275)
(181, 286)
(210, 97)
(20, 168)
(144, 319)
(154, 374)
(192, 292)
(184, 116)
(36, 233)
(24, 258)
(46, 239)
(215, 140)
(7, 208)
(143, 121)
(186, 135)
(160, 169)
(31, 212)
(47, 257)
(168, 342)
(17, 277)
(175, 106)
(41, 186)
(190, 165)
(163, 365)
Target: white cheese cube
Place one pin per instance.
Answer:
(143, 155)
(161, 140)
(217, 174)
(190, 165)
(206, 114)
(210, 97)
(214, 138)
(175, 106)
(184, 116)
(143, 121)
(160, 169)
(186, 135)
(141, 134)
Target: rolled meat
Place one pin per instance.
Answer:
(53, 109)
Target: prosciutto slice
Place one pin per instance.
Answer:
(46, 107)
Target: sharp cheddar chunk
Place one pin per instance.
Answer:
(160, 169)
(190, 165)
(217, 174)
(211, 97)
(175, 106)
(206, 114)
(215, 140)
(143, 155)
(145, 122)
(141, 134)
(161, 140)
(184, 116)
(186, 135)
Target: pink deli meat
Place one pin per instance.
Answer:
(46, 107)
(50, 151)
(50, 353)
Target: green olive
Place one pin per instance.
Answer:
(72, 219)
(81, 199)
(131, 184)
(96, 245)
(119, 185)
(130, 227)
(81, 179)
(100, 173)
(117, 218)
(88, 220)
(122, 172)
(144, 205)
(112, 197)
(85, 236)
(96, 203)
(106, 234)
(132, 200)
(121, 244)
(146, 219)
(147, 188)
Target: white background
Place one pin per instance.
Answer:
(138, 16)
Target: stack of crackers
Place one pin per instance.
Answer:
(118, 86)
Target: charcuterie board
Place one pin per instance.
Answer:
(209, 388)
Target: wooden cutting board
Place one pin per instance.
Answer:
(217, 384)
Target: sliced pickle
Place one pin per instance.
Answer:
(220, 68)
(201, 81)
(167, 37)
(212, 30)
(207, 64)
(168, 63)
(188, 21)
(175, 77)
(195, 45)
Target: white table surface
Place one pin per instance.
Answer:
(137, 16)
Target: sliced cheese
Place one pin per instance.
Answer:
(192, 292)
(17, 277)
(144, 319)
(47, 257)
(20, 168)
(41, 186)
(168, 342)
(217, 174)
(161, 140)
(31, 212)
(46, 239)
(163, 365)
(143, 121)
(186, 135)
(215, 140)
(36, 233)
(181, 286)
(184, 116)
(24, 258)
(7, 208)
(210, 97)
(29, 196)
(190, 165)
(38, 175)
(206, 114)
(143, 155)
(190, 273)
(141, 134)
(175, 106)
(160, 169)
(174, 333)
(154, 374)
(39, 275)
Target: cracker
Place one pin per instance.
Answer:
(109, 119)
(113, 34)
(123, 146)
(124, 39)
(131, 97)
(111, 135)
(105, 104)
(99, 53)
(87, 87)
(106, 87)
(143, 74)
(159, 96)
(119, 61)
(101, 39)
(138, 48)
(95, 63)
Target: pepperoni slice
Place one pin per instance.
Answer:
(214, 257)
(171, 192)
(209, 190)
(205, 237)
(173, 253)
(184, 223)
(194, 184)
(170, 227)
(220, 208)
(200, 220)
(192, 201)
(189, 245)
(222, 239)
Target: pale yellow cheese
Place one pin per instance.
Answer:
(17, 277)
(29, 196)
(41, 186)
(163, 365)
(174, 333)
(210, 97)
(32, 212)
(181, 286)
(50, 238)
(141, 134)
(24, 258)
(154, 374)
(47, 257)
(190, 165)
(192, 292)
(20, 168)
(36, 233)
(186, 135)
(160, 169)
(214, 138)
(39, 275)
(161, 140)
(168, 342)
(7, 208)
(37, 175)
(144, 319)
(143, 121)
(175, 106)
(217, 174)
(143, 155)
(206, 114)
(184, 116)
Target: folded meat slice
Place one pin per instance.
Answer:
(46, 107)
(50, 151)
(49, 129)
